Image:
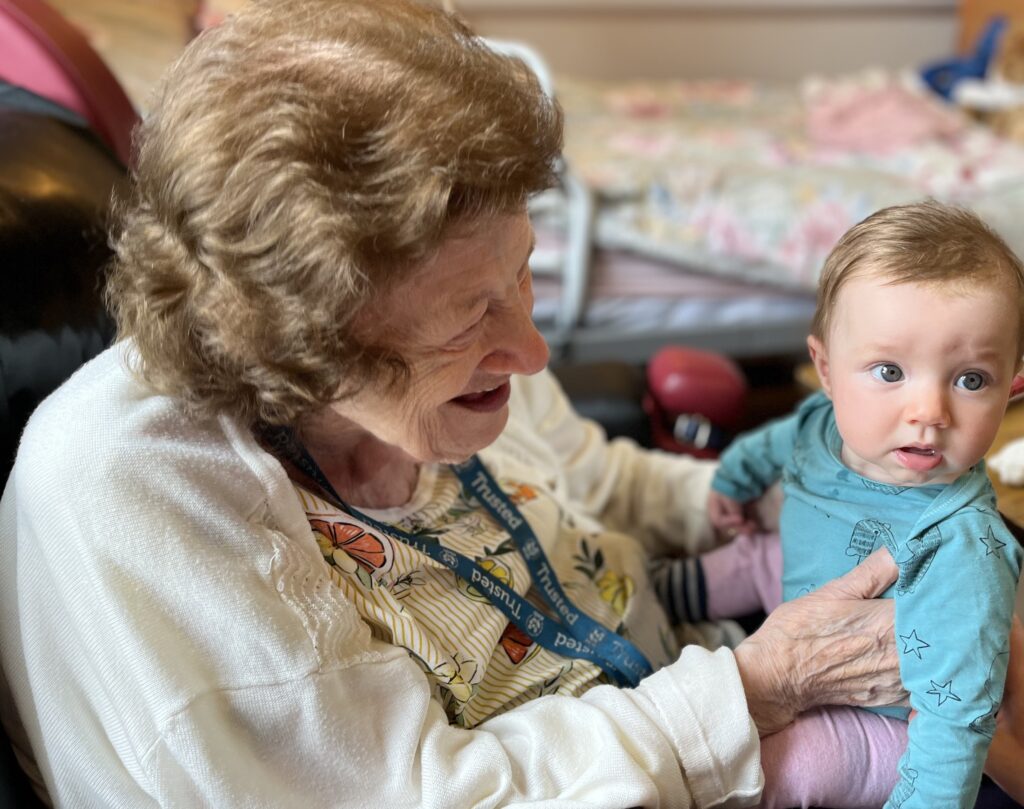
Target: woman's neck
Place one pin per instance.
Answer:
(364, 470)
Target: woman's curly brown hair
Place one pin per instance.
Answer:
(299, 159)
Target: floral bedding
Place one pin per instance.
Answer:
(758, 181)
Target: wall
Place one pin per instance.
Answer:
(721, 38)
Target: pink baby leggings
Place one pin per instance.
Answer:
(842, 758)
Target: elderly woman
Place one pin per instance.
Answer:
(251, 556)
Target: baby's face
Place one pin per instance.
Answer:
(919, 376)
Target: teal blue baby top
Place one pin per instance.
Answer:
(958, 566)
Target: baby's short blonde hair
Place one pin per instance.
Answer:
(299, 159)
(925, 242)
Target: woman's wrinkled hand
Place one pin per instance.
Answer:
(835, 646)
(1006, 754)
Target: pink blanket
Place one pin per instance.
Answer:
(877, 119)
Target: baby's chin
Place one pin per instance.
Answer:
(887, 471)
(911, 480)
(949, 477)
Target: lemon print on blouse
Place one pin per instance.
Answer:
(616, 590)
(459, 676)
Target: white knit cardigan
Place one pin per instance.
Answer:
(170, 635)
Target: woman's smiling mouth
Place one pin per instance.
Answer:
(485, 401)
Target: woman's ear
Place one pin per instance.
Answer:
(820, 359)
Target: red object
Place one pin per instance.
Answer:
(44, 53)
(1017, 388)
(694, 399)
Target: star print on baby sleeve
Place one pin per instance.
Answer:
(912, 643)
(943, 692)
(991, 542)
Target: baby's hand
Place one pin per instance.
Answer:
(728, 516)
(1009, 463)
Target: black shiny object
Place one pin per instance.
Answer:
(56, 182)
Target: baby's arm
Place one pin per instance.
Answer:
(954, 606)
(730, 581)
(751, 464)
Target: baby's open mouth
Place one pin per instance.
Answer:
(918, 459)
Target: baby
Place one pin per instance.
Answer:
(917, 336)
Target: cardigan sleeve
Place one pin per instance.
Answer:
(370, 734)
(657, 497)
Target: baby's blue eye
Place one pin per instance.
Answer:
(887, 373)
(972, 380)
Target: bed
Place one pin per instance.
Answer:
(700, 212)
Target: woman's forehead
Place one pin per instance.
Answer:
(464, 271)
(469, 257)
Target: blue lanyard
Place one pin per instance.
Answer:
(570, 633)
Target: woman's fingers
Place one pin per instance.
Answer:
(832, 647)
(869, 579)
(835, 646)
(1007, 750)
(1013, 692)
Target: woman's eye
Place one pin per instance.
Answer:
(887, 373)
(468, 333)
(525, 282)
(972, 380)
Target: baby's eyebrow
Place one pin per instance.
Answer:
(890, 349)
(988, 353)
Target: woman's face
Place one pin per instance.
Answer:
(463, 321)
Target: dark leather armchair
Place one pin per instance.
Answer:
(56, 181)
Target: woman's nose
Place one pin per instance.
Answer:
(518, 347)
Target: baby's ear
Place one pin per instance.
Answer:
(819, 356)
